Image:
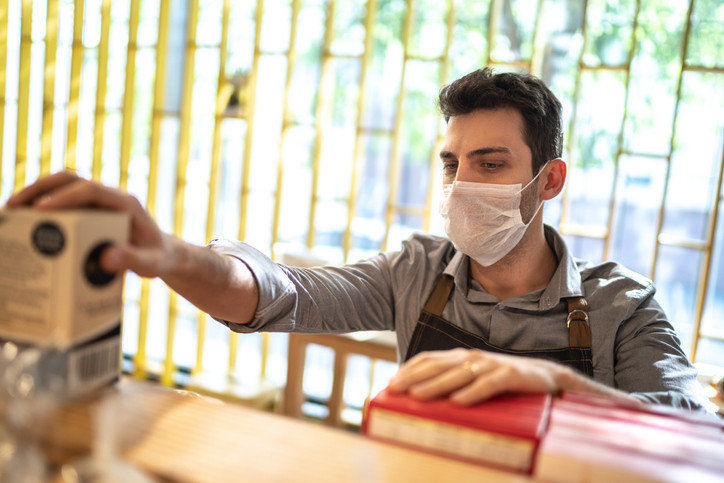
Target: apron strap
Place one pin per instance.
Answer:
(579, 330)
(440, 293)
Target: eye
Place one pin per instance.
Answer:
(450, 166)
(491, 165)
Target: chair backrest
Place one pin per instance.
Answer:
(379, 345)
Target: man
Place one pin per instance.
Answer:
(501, 306)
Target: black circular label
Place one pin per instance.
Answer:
(48, 239)
(92, 267)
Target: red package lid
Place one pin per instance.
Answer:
(651, 414)
(645, 440)
(563, 453)
(522, 416)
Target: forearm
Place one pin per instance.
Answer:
(219, 285)
(314, 300)
(568, 379)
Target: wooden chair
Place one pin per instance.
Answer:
(372, 344)
(375, 345)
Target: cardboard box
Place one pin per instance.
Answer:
(54, 294)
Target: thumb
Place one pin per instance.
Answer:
(118, 258)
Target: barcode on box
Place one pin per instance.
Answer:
(94, 364)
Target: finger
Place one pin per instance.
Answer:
(42, 186)
(118, 258)
(86, 193)
(421, 372)
(458, 355)
(424, 356)
(495, 382)
(412, 370)
(455, 378)
(114, 259)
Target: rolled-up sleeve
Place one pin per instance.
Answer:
(650, 363)
(315, 300)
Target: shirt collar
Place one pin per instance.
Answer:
(457, 267)
(565, 282)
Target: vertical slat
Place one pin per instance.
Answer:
(286, 123)
(574, 115)
(672, 138)
(51, 45)
(336, 399)
(214, 169)
(294, 389)
(394, 168)
(128, 93)
(23, 94)
(493, 15)
(622, 128)
(251, 101)
(139, 359)
(76, 65)
(3, 73)
(233, 351)
(101, 88)
(444, 73)
(159, 93)
(705, 272)
(264, 353)
(244, 201)
(358, 143)
(536, 58)
(184, 146)
(322, 114)
(371, 381)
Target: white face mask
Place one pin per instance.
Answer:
(483, 220)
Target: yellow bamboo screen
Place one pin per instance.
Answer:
(311, 124)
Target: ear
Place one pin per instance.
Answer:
(553, 179)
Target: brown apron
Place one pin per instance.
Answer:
(435, 333)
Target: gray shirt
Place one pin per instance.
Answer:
(634, 347)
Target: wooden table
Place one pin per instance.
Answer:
(178, 436)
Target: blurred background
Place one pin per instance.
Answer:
(311, 126)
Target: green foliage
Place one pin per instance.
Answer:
(419, 127)
(609, 34)
(657, 56)
(706, 46)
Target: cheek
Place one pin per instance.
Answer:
(448, 175)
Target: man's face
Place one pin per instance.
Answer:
(487, 146)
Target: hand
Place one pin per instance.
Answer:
(150, 251)
(469, 376)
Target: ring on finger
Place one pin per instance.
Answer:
(472, 368)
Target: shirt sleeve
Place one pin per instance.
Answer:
(650, 363)
(315, 300)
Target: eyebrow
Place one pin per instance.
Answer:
(445, 155)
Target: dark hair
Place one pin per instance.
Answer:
(541, 111)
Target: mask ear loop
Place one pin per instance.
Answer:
(538, 202)
(534, 177)
(540, 205)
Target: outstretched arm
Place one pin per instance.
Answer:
(222, 286)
